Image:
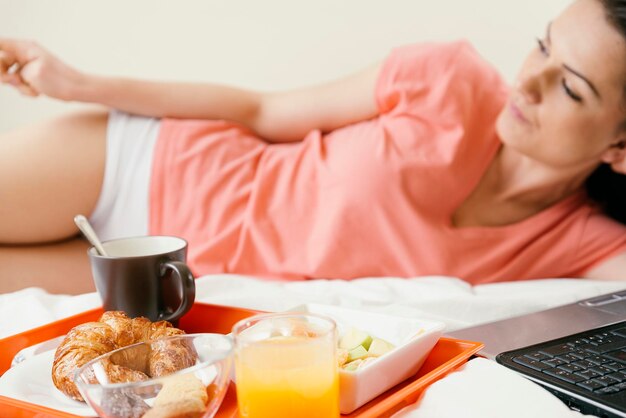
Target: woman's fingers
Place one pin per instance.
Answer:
(26, 74)
(27, 90)
(15, 55)
(11, 65)
(23, 51)
(34, 71)
(8, 65)
(10, 70)
(22, 86)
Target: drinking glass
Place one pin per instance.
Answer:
(286, 366)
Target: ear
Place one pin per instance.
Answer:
(615, 156)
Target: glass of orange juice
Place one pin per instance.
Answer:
(286, 366)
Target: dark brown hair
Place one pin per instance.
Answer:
(604, 186)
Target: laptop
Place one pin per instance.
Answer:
(576, 351)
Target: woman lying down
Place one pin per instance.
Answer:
(427, 163)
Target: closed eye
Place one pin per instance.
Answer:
(541, 45)
(570, 93)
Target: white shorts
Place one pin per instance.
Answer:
(123, 206)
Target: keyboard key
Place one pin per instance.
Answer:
(598, 359)
(615, 366)
(554, 362)
(563, 375)
(604, 348)
(588, 374)
(578, 341)
(533, 364)
(596, 342)
(605, 380)
(556, 350)
(602, 370)
(586, 347)
(569, 358)
(617, 355)
(581, 354)
(619, 376)
(619, 331)
(571, 368)
(607, 390)
(584, 364)
(620, 386)
(538, 356)
(615, 339)
(590, 385)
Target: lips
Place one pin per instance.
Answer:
(517, 113)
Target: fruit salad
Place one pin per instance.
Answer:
(357, 349)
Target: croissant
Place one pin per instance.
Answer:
(112, 331)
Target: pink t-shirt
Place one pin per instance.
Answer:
(371, 199)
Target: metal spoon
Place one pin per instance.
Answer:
(85, 227)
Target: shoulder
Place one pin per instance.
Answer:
(436, 75)
(434, 49)
(439, 58)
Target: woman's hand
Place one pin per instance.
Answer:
(33, 70)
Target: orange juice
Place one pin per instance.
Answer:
(287, 377)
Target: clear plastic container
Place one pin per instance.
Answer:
(186, 374)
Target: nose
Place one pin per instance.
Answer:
(530, 84)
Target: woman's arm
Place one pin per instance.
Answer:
(277, 117)
(612, 269)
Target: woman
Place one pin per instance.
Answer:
(423, 164)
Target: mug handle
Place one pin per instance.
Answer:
(188, 285)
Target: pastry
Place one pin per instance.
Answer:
(112, 331)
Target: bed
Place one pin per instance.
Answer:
(482, 388)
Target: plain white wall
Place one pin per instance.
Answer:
(262, 44)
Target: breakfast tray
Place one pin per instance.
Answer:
(447, 355)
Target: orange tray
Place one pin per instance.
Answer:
(447, 355)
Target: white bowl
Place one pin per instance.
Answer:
(413, 339)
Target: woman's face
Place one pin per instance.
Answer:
(567, 104)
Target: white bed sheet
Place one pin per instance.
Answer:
(483, 388)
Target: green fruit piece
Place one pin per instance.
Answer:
(355, 337)
(353, 365)
(378, 347)
(342, 356)
(357, 353)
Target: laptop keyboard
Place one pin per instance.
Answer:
(595, 362)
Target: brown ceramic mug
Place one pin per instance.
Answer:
(144, 276)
